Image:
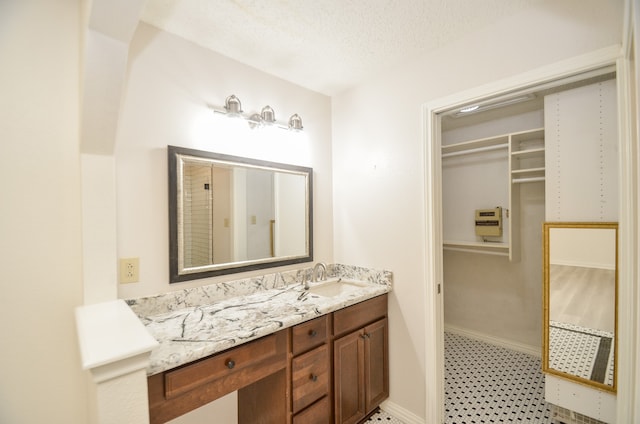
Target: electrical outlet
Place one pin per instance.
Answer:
(129, 270)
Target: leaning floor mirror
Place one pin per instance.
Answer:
(580, 302)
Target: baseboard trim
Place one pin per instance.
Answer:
(401, 413)
(507, 344)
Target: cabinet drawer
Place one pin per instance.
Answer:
(318, 413)
(310, 334)
(223, 364)
(310, 377)
(359, 315)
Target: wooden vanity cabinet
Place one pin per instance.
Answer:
(360, 359)
(331, 369)
(351, 345)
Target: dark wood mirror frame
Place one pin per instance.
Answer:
(175, 273)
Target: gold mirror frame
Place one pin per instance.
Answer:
(547, 226)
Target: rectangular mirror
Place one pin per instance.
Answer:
(231, 214)
(580, 302)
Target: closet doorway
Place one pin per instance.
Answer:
(493, 207)
(531, 213)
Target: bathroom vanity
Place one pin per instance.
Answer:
(294, 355)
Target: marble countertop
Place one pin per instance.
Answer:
(188, 333)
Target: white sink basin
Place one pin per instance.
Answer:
(333, 288)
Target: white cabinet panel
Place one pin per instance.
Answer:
(581, 154)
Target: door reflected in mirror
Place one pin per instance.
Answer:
(580, 302)
(231, 214)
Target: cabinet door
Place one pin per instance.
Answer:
(349, 378)
(376, 363)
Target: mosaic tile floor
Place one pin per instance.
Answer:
(383, 417)
(489, 384)
(581, 351)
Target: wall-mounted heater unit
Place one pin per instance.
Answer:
(489, 222)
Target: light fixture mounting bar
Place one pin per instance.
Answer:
(266, 117)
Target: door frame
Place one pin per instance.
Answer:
(628, 160)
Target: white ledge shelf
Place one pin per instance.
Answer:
(112, 339)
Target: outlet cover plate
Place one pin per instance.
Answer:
(129, 270)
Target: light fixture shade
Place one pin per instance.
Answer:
(295, 122)
(268, 115)
(232, 105)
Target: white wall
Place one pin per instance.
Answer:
(40, 243)
(170, 82)
(378, 154)
(591, 248)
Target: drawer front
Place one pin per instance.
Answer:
(318, 413)
(220, 365)
(359, 315)
(310, 334)
(310, 377)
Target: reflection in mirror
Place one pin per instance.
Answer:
(580, 302)
(229, 214)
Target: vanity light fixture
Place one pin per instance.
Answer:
(295, 122)
(233, 108)
(268, 115)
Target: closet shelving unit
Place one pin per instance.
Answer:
(525, 158)
(526, 150)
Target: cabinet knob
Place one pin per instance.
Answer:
(313, 377)
(365, 336)
(230, 363)
(313, 333)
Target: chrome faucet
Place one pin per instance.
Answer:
(319, 271)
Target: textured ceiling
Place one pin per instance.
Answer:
(325, 45)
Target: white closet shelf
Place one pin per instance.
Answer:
(534, 134)
(527, 171)
(520, 154)
(527, 180)
(490, 248)
(477, 145)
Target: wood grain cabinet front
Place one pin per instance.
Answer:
(360, 360)
(331, 369)
(180, 390)
(310, 334)
(318, 413)
(311, 371)
(310, 377)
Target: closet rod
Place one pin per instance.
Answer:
(527, 180)
(478, 149)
